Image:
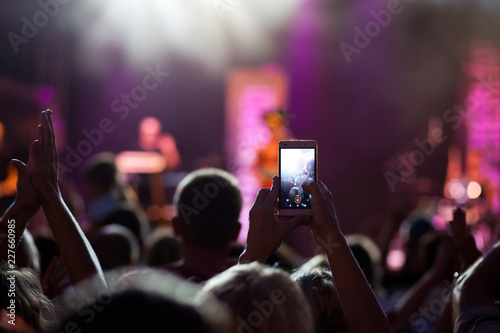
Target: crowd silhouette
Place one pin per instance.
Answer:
(120, 273)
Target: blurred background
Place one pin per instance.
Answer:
(402, 97)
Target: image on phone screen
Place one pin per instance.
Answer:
(297, 166)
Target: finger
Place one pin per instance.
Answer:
(314, 190)
(48, 135)
(35, 151)
(261, 197)
(327, 195)
(273, 193)
(322, 187)
(51, 126)
(311, 188)
(458, 224)
(459, 214)
(40, 134)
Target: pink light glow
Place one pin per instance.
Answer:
(483, 117)
(46, 95)
(140, 162)
(252, 136)
(251, 94)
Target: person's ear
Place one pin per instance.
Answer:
(236, 231)
(176, 223)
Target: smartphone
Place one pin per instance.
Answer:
(298, 164)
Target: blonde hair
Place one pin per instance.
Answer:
(319, 288)
(31, 304)
(262, 299)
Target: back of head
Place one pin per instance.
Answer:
(129, 218)
(23, 286)
(262, 299)
(161, 248)
(138, 311)
(321, 293)
(318, 261)
(208, 205)
(101, 172)
(27, 254)
(148, 301)
(115, 246)
(367, 255)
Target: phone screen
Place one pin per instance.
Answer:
(297, 166)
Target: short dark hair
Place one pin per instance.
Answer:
(208, 203)
(101, 171)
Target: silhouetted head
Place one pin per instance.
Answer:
(115, 246)
(128, 217)
(208, 204)
(161, 247)
(367, 255)
(149, 133)
(101, 174)
(147, 301)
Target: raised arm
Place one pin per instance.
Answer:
(440, 275)
(463, 240)
(80, 258)
(361, 308)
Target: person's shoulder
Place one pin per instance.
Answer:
(479, 319)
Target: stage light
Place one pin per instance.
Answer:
(454, 189)
(147, 31)
(140, 162)
(473, 190)
(472, 216)
(396, 259)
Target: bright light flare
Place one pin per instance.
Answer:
(454, 189)
(140, 162)
(472, 216)
(396, 260)
(474, 190)
(146, 31)
(294, 158)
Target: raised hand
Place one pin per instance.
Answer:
(463, 240)
(361, 308)
(446, 261)
(324, 223)
(266, 230)
(24, 207)
(44, 161)
(26, 196)
(54, 280)
(80, 258)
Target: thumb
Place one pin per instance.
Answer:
(20, 166)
